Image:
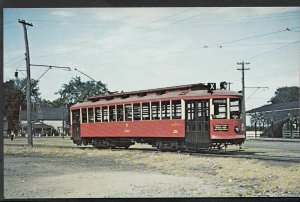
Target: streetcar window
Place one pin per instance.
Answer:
(98, 114)
(203, 110)
(235, 108)
(155, 110)
(220, 108)
(84, 115)
(165, 110)
(112, 113)
(91, 115)
(120, 113)
(128, 112)
(105, 114)
(136, 112)
(76, 116)
(176, 109)
(146, 111)
(190, 111)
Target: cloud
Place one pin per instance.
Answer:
(62, 13)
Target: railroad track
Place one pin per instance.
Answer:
(214, 153)
(251, 156)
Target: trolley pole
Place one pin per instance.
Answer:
(29, 127)
(229, 85)
(243, 91)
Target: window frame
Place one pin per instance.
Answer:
(106, 114)
(84, 115)
(219, 106)
(128, 112)
(165, 110)
(239, 105)
(98, 114)
(175, 108)
(146, 105)
(155, 110)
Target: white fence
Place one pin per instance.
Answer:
(252, 133)
(287, 134)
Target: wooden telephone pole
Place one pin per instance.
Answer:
(29, 127)
(243, 86)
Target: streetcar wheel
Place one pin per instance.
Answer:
(84, 142)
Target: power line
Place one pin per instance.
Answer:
(85, 75)
(259, 44)
(14, 60)
(242, 39)
(94, 45)
(274, 50)
(251, 17)
(52, 66)
(257, 88)
(142, 34)
(116, 33)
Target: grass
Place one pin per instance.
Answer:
(50, 141)
(238, 177)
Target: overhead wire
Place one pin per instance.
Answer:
(242, 39)
(116, 33)
(94, 45)
(274, 50)
(160, 27)
(155, 29)
(252, 94)
(10, 62)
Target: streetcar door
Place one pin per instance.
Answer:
(76, 125)
(197, 124)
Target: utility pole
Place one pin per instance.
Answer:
(243, 91)
(29, 127)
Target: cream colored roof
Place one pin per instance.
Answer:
(169, 95)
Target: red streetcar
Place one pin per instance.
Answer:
(187, 117)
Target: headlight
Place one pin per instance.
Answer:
(236, 129)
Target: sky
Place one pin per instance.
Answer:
(142, 48)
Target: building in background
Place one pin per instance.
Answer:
(47, 121)
(276, 120)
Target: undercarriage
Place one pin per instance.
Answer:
(162, 144)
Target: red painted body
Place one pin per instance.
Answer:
(148, 128)
(230, 134)
(156, 128)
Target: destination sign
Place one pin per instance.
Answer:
(220, 127)
(219, 101)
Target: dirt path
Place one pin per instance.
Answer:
(51, 172)
(36, 177)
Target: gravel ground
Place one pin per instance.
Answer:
(48, 177)
(41, 172)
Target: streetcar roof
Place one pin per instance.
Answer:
(198, 86)
(153, 96)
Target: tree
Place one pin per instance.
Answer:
(77, 91)
(21, 84)
(286, 94)
(15, 99)
(42, 102)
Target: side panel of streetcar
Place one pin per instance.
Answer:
(149, 128)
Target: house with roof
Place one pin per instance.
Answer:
(47, 121)
(277, 120)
